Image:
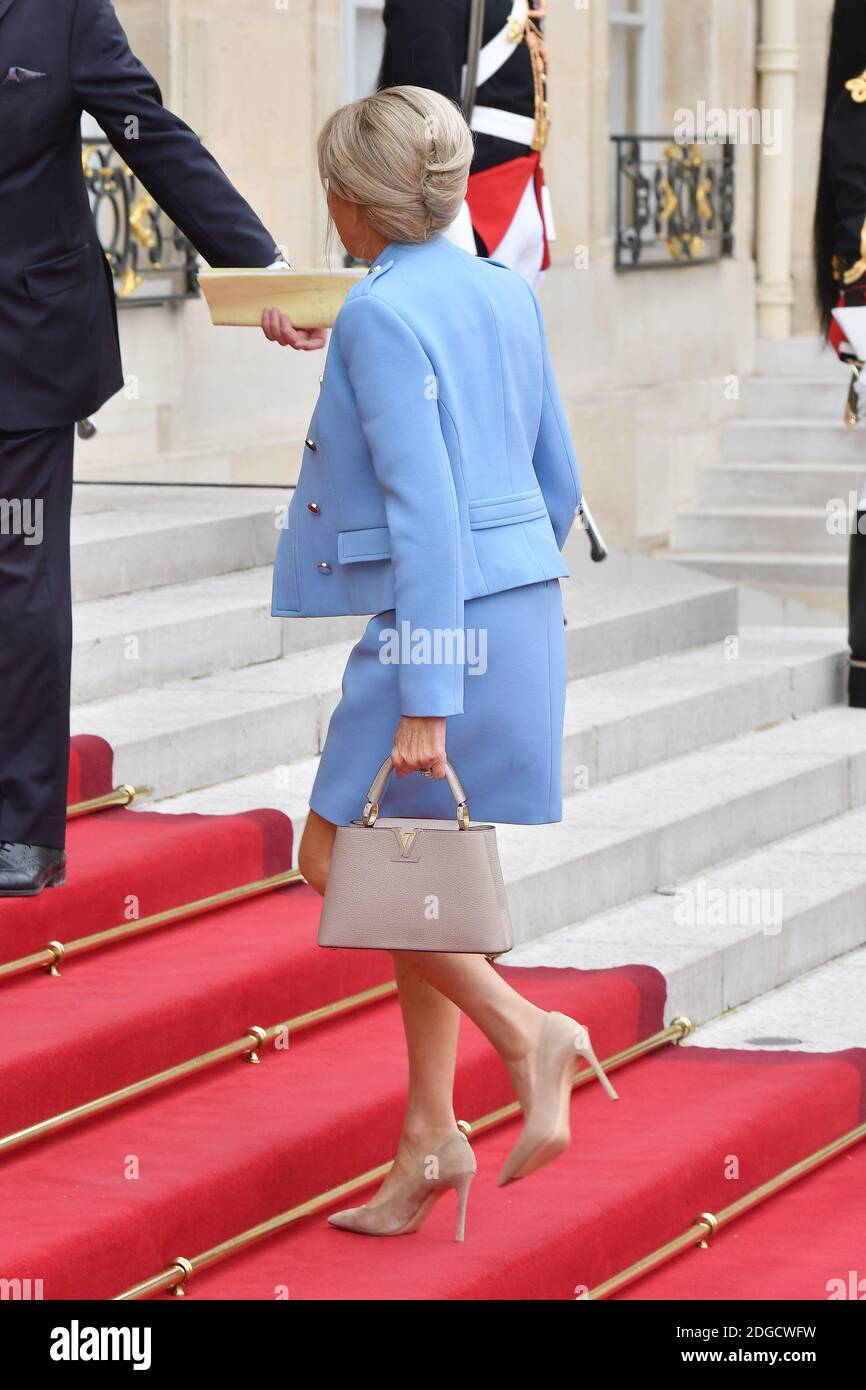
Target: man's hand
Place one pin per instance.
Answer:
(419, 745)
(278, 328)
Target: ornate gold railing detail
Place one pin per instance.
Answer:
(152, 262)
(674, 202)
(176, 1277)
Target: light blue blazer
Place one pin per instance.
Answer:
(439, 464)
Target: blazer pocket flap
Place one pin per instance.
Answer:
(372, 544)
(51, 277)
(488, 512)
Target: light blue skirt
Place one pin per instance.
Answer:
(506, 746)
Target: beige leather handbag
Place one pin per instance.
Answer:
(416, 885)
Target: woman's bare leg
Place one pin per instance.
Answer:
(431, 1024)
(317, 846)
(511, 1023)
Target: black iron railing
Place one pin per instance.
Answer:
(151, 261)
(674, 202)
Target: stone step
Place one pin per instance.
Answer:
(738, 931)
(822, 1011)
(191, 733)
(784, 398)
(790, 606)
(614, 625)
(792, 440)
(806, 356)
(779, 484)
(780, 571)
(130, 538)
(623, 723)
(779, 529)
(188, 630)
(670, 823)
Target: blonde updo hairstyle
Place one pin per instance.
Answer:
(403, 154)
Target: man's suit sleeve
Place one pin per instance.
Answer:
(425, 45)
(168, 158)
(554, 459)
(395, 390)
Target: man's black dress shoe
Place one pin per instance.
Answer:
(26, 869)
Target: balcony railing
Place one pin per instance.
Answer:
(674, 202)
(151, 261)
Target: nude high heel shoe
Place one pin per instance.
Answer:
(452, 1165)
(547, 1128)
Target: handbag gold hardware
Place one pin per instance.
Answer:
(448, 893)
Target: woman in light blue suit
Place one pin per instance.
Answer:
(438, 486)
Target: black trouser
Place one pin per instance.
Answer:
(35, 633)
(857, 614)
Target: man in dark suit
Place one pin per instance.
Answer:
(60, 360)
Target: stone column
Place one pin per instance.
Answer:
(777, 64)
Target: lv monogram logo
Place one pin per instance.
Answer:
(406, 841)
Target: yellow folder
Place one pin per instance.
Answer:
(311, 298)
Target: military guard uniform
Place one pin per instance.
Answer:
(845, 151)
(507, 213)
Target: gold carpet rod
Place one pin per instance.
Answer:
(248, 1046)
(175, 1278)
(708, 1223)
(121, 796)
(50, 956)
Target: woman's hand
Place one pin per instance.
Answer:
(419, 744)
(278, 328)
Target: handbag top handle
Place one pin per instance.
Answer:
(377, 787)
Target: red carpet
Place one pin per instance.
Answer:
(636, 1175)
(177, 993)
(809, 1242)
(91, 762)
(125, 864)
(105, 1204)
(229, 1148)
